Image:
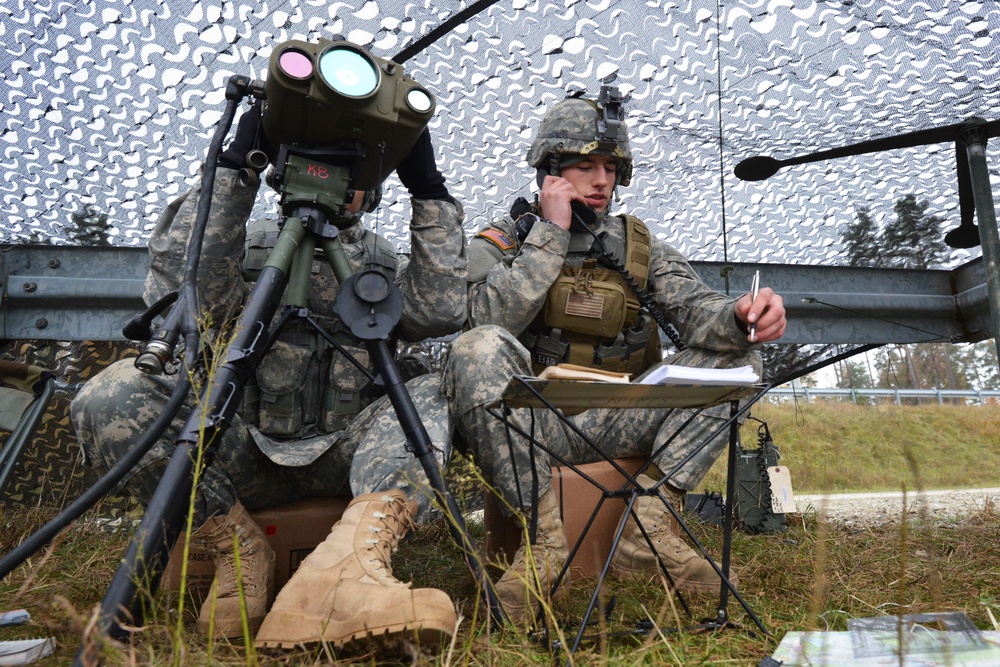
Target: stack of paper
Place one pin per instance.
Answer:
(670, 374)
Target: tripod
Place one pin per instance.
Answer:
(369, 306)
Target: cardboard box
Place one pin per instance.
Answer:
(293, 531)
(577, 500)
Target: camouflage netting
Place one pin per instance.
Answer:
(50, 471)
(108, 107)
(110, 104)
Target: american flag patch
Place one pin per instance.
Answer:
(582, 304)
(497, 238)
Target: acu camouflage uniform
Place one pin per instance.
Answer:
(311, 424)
(509, 280)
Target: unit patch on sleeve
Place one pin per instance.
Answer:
(497, 238)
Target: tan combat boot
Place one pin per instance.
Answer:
(529, 578)
(256, 571)
(344, 591)
(634, 561)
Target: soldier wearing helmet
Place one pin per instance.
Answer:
(561, 280)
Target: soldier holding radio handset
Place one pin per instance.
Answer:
(561, 280)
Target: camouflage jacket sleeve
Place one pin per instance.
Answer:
(508, 281)
(433, 281)
(221, 288)
(705, 318)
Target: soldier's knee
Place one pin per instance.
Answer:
(108, 390)
(486, 345)
(107, 409)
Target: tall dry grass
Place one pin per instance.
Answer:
(815, 575)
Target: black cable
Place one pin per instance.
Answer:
(643, 295)
(795, 374)
(188, 327)
(138, 328)
(938, 337)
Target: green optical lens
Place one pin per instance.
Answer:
(348, 72)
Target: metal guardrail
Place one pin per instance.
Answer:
(68, 293)
(983, 396)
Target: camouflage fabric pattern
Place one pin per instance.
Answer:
(432, 281)
(18, 386)
(509, 288)
(481, 362)
(114, 410)
(50, 471)
(22, 377)
(570, 128)
(221, 288)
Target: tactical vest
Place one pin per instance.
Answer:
(592, 317)
(304, 386)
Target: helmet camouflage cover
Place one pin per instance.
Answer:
(578, 126)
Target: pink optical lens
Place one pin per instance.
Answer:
(296, 64)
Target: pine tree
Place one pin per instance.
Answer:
(89, 227)
(861, 240)
(853, 375)
(913, 240)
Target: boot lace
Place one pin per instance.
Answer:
(251, 562)
(386, 531)
(662, 532)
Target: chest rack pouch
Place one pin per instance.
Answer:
(588, 300)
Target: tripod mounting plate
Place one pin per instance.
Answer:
(370, 304)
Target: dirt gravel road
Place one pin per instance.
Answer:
(857, 509)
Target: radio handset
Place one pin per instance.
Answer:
(583, 215)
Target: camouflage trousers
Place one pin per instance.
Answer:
(115, 408)
(481, 361)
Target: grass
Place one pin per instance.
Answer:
(813, 576)
(843, 447)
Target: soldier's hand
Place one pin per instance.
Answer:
(556, 196)
(235, 157)
(418, 171)
(767, 312)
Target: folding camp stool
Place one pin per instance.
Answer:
(562, 397)
(25, 393)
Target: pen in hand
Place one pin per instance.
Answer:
(754, 288)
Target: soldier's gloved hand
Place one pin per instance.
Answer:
(235, 157)
(418, 171)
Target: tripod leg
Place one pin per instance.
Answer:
(419, 441)
(164, 516)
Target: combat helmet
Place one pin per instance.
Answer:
(580, 126)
